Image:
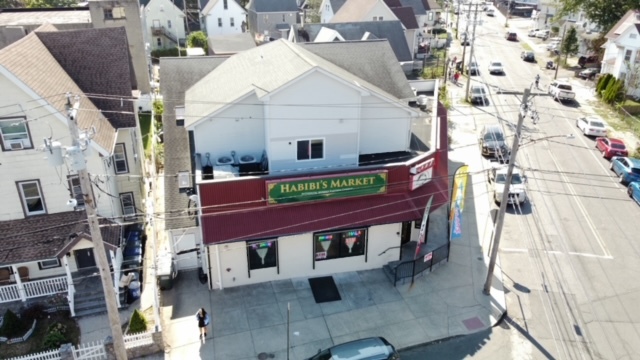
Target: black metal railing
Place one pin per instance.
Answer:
(412, 268)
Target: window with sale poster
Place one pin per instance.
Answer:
(339, 244)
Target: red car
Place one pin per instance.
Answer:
(611, 147)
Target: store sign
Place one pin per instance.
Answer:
(421, 173)
(326, 187)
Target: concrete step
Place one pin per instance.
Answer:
(90, 304)
(91, 312)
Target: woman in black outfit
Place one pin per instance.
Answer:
(202, 315)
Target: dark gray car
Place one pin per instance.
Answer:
(493, 143)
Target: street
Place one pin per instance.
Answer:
(568, 255)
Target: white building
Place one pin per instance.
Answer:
(164, 24)
(622, 51)
(224, 17)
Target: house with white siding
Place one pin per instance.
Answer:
(164, 24)
(622, 51)
(224, 17)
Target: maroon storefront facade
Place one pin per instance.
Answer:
(238, 210)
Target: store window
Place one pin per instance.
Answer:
(262, 254)
(311, 149)
(339, 244)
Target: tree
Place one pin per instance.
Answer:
(40, 4)
(605, 13)
(10, 4)
(138, 323)
(570, 44)
(313, 11)
(198, 39)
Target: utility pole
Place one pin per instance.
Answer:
(506, 18)
(564, 32)
(473, 41)
(466, 31)
(505, 195)
(459, 5)
(96, 236)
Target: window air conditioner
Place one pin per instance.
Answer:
(16, 145)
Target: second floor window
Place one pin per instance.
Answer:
(219, 22)
(31, 196)
(128, 205)
(225, 4)
(120, 159)
(310, 149)
(14, 134)
(627, 55)
(231, 22)
(159, 42)
(169, 24)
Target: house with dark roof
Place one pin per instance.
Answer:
(230, 44)
(390, 30)
(622, 51)
(328, 8)
(43, 223)
(272, 19)
(309, 161)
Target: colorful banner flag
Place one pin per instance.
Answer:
(423, 227)
(457, 200)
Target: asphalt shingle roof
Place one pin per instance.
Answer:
(231, 44)
(390, 30)
(266, 6)
(98, 61)
(406, 16)
(17, 17)
(49, 236)
(336, 5)
(30, 61)
(177, 75)
(353, 10)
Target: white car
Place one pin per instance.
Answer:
(495, 67)
(517, 189)
(542, 34)
(553, 45)
(592, 125)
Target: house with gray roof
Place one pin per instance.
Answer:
(391, 30)
(44, 196)
(272, 19)
(230, 44)
(301, 141)
(622, 52)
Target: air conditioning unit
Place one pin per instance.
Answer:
(16, 145)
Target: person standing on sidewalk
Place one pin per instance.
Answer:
(203, 320)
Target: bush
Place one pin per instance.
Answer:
(198, 39)
(34, 312)
(603, 82)
(12, 325)
(53, 340)
(614, 91)
(138, 323)
(171, 52)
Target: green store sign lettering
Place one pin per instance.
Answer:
(326, 187)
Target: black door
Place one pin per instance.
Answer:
(405, 233)
(84, 258)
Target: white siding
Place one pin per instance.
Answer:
(165, 12)
(380, 9)
(295, 255)
(384, 127)
(233, 11)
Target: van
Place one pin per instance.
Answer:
(511, 36)
(375, 348)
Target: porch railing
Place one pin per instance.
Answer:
(9, 293)
(32, 289)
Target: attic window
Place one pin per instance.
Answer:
(179, 115)
(114, 13)
(633, 36)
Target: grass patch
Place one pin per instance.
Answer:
(36, 342)
(526, 47)
(630, 102)
(444, 36)
(147, 133)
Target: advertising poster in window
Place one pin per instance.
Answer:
(262, 254)
(339, 244)
(421, 173)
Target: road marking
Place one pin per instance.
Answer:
(556, 252)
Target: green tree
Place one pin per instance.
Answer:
(10, 4)
(198, 39)
(570, 44)
(313, 11)
(138, 322)
(39, 4)
(605, 13)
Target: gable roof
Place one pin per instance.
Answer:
(406, 17)
(353, 10)
(230, 44)
(336, 5)
(211, 4)
(390, 30)
(630, 18)
(50, 236)
(178, 74)
(29, 60)
(98, 61)
(177, 3)
(393, 3)
(267, 6)
(355, 57)
(261, 71)
(17, 17)
(429, 4)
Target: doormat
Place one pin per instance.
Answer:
(324, 289)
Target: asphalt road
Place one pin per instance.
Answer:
(570, 255)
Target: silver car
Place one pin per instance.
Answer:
(375, 348)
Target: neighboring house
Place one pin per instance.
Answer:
(272, 19)
(411, 29)
(363, 10)
(586, 30)
(41, 231)
(392, 31)
(164, 24)
(279, 178)
(224, 17)
(328, 8)
(622, 51)
(230, 44)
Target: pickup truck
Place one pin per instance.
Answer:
(561, 91)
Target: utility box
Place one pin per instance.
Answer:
(166, 271)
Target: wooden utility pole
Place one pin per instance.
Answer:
(473, 41)
(96, 236)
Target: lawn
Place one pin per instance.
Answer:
(145, 128)
(526, 46)
(35, 343)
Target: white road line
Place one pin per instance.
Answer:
(556, 252)
(592, 255)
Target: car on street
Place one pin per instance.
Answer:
(553, 45)
(375, 348)
(464, 39)
(588, 73)
(528, 56)
(478, 94)
(561, 90)
(473, 68)
(626, 168)
(517, 189)
(493, 143)
(558, 39)
(491, 12)
(511, 36)
(542, 34)
(610, 147)
(495, 67)
(591, 125)
(585, 61)
(532, 32)
(634, 191)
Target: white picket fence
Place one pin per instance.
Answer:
(47, 355)
(91, 351)
(135, 340)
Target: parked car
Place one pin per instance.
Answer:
(591, 125)
(611, 147)
(634, 191)
(561, 90)
(473, 68)
(464, 39)
(517, 189)
(528, 56)
(628, 169)
(492, 142)
(558, 39)
(495, 67)
(585, 61)
(478, 94)
(553, 45)
(588, 73)
(491, 12)
(542, 34)
(532, 33)
(375, 348)
(511, 36)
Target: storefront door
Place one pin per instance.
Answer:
(405, 233)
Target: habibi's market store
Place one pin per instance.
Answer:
(274, 229)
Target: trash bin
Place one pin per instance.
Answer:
(134, 291)
(166, 271)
